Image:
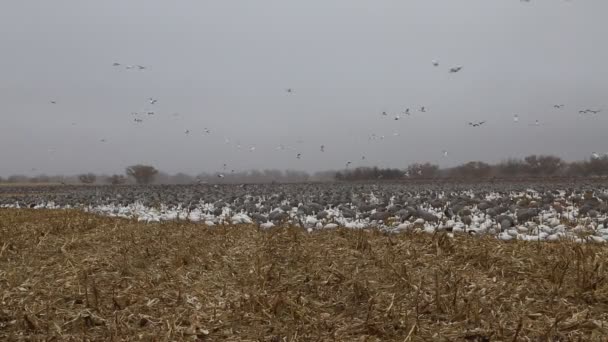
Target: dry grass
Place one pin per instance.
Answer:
(71, 276)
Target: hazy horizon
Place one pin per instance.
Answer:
(226, 67)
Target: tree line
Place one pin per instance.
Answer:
(530, 166)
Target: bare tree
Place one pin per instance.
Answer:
(143, 174)
(87, 178)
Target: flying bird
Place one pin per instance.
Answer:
(153, 101)
(384, 113)
(595, 155)
(187, 131)
(116, 64)
(299, 156)
(397, 117)
(252, 148)
(140, 67)
(322, 148)
(348, 164)
(435, 63)
(53, 102)
(476, 124)
(407, 111)
(220, 175)
(455, 69)
(445, 153)
(558, 106)
(515, 118)
(289, 90)
(422, 109)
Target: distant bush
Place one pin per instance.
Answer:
(474, 169)
(598, 167)
(368, 173)
(116, 179)
(426, 170)
(143, 174)
(17, 179)
(87, 178)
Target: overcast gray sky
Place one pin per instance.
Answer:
(225, 65)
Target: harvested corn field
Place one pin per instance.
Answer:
(68, 275)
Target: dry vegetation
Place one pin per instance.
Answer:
(72, 276)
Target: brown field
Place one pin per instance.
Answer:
(69, 276)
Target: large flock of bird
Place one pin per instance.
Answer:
(149, 113)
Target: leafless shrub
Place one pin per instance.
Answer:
(87, 178)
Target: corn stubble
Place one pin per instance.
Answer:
(71, 276)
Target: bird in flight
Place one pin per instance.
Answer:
(299, 156)
(515, 118)
(384, 113)
(140, 67)
(252, 148)
(103, 140)
(138, 120)
(595, 155)
(187, 131)
(322, 148)
(407, 111)
(397, 117)
(348, 164)
(445, 153)
(558, 106)
(220, 175)
(289, 90)
(150, 113)
(116, 64)
(422, 109)
(207, 131)
(476, 124)
(435, 63)
(153, 101)
(53, 102)
(536, 123)
(455, 69)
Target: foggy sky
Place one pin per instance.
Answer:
(225, 65)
